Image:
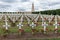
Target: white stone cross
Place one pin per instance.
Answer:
(20, 25)
(56, 24)
(6, 26)
(44, 25)
(32, 25)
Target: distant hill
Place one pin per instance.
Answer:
(49, 12)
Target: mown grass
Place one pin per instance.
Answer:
(28, 29)
(46, 39)
(25, 27)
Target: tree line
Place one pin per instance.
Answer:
(49, 12)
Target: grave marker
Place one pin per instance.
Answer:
(33, 27)
(6, 24)
(56, 24)
(44, 25)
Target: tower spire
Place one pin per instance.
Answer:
(32, 7)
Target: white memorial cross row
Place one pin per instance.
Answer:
(32, 17)
(36, 18)
(5, 18)
(1, 15)
(17, 17)
(49, 19)
(42, 20)
(13, 18)
(27, 19)
(21, 20)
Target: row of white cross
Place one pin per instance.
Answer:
(15, 17)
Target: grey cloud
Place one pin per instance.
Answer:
(52, 4)
(36, 7)
(25, 0)
(4, 6)
(43, 4)
(21, 9)
(49, 3)
(9, 1)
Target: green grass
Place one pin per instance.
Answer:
(1, 31)
(13, 29)
(26, 28)
(46, 39)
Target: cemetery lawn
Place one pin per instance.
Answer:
(46, 39)
(27, 29)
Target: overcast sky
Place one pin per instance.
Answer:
(25, 5)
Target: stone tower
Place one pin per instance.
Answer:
(32, 7)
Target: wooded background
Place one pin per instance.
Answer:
(49, 12)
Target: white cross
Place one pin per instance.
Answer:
(6, 25)
(32, 25)
(44, 25)
(19, 25)
(56, 24)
